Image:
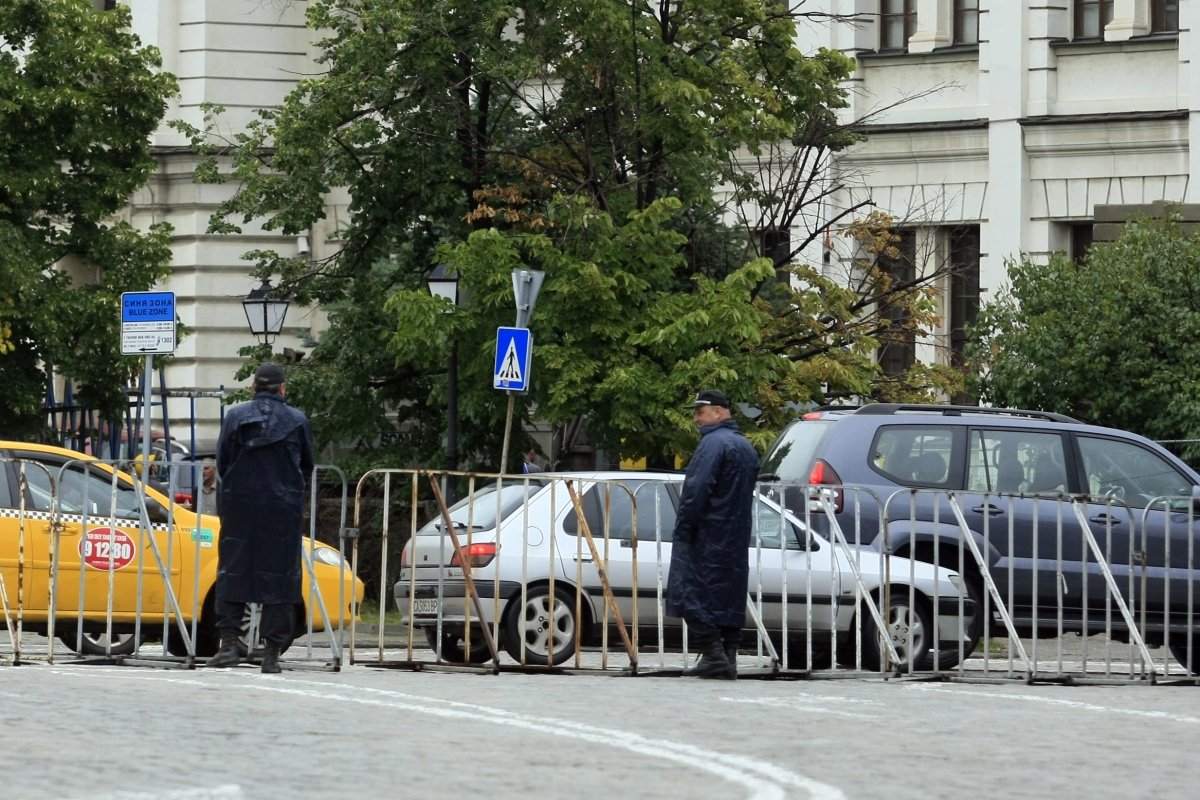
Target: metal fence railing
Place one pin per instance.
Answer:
(107, 567)
(565, 571)
(551, 572)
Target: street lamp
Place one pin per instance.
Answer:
(443, 282)
(264, 313)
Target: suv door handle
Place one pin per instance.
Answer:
(988, 509)
(582, 559)
(1103, 518)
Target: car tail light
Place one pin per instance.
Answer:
(183, 499)
(403, 557)
(823, 475)
(480, 554)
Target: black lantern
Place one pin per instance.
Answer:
(264, 313)
(443, 282)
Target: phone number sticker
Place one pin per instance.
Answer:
(107, 548)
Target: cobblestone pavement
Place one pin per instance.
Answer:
(130, 733)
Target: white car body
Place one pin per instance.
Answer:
(525, 555)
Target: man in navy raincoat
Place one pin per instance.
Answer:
(710, 564)
(264, 459)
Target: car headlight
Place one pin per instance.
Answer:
(958, 584)
(327, 555)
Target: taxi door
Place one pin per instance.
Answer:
(121, 545)
(30, 583)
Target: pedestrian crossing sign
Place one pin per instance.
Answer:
(514, 357)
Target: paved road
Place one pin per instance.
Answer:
(127, 733)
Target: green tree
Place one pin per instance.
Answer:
(601, 142)
(1110, 341)
(79, 98)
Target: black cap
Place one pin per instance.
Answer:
(709, 397)
(268, 373)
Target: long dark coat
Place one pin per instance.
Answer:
(264, 457)
(710, 561)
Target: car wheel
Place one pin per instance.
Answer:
(948, 658)
(901, 620)
(452, 646)
(546, 628)
(94, 644)
(1178, 645)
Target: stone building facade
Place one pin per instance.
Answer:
(994, 127)
(997, 126)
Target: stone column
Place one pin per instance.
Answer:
(1004, 61)
(1130, 18)
(935, 26)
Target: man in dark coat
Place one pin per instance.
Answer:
(264, 459)
(710, 564)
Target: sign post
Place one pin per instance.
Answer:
(148, 328)
(514, 348)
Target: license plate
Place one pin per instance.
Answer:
(425, 606)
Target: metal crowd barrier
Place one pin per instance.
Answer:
(1000, 587)
(119, 597)
(604, 590)
(1057, 567)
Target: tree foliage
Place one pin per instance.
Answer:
(79, 99)
(1110, 341)
(601, 142)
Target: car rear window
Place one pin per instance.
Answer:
(793, 454)
(915, 455)
(483, 518)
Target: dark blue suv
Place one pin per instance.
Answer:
(1020, 477)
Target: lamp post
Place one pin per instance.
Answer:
(443, 282)
(264, 313)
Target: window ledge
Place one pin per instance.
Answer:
(1155, 41)
(943, 55)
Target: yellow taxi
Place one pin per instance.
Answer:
(85, 557)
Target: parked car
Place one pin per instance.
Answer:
(92, 487)
(1008, 467)
(534, 515)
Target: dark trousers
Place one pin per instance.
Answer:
(729, 635)
(276, 624)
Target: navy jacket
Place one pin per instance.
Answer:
(710, 563)
(264, 458)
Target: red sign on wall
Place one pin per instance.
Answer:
(102, 547)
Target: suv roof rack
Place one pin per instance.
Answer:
(958, 411)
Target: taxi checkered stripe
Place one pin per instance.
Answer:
(93, 519)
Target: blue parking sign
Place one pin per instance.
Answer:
(514, 357)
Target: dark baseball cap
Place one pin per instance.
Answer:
(709, 397)
(269, 372)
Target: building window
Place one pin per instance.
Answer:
(1164, 16)
(899, 352)
(966, 21)
(775, 244)
(898, 22)
(1091, 16)
(964, 297)
(1081, 240)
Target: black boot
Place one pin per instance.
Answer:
(227, 655)
(731, 638)
(731, 651)
(712, 663)
(270, 662)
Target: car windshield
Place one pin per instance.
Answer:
(791, 457)
(483, 517)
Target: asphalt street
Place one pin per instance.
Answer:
(134, 733)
